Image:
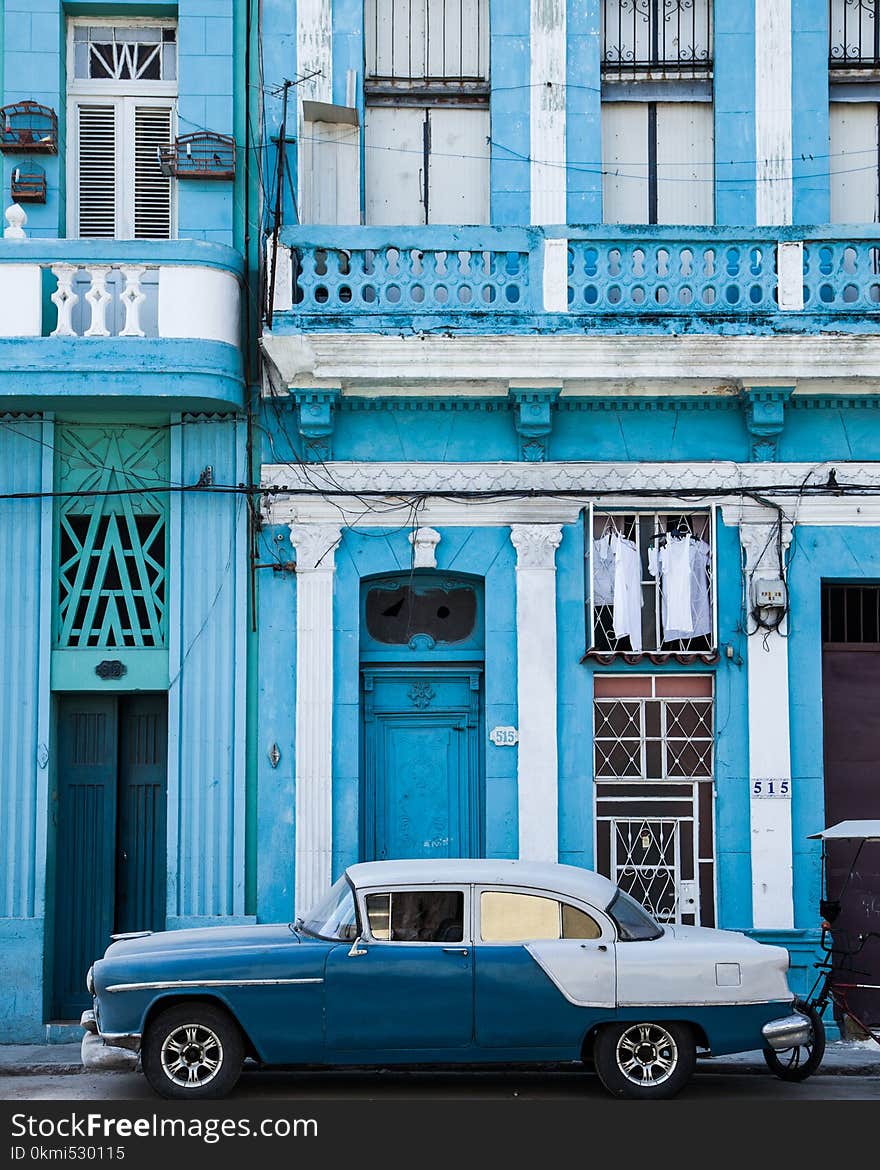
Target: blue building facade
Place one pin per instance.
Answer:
(573, 286)
(124, 385)
(536, 516)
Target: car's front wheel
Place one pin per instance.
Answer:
(192, 1051)
(646, 1060)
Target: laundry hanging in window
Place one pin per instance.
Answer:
(617, 581)
(681, 562)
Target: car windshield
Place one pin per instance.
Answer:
(335, 916)
(633, 922)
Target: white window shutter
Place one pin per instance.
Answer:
(152, 189)
(96, 189)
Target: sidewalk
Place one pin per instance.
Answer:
(842, 1058)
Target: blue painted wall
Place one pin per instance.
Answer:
(734, 92)
(34, 48)
(509, 66)
(583, 109)
(809, 101)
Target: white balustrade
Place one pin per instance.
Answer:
(64, 299)
(16, 218)
(98, 298)
(132, 297)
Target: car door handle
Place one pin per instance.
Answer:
(455, 950)
(600, 947)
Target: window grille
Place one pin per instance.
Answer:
(651, 535)
(112, 555)
(436, 46)
(670, 37)
(665, 733)
(106, 52)
(854, 34)
(851, 614)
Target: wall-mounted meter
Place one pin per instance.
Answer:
(770, 593)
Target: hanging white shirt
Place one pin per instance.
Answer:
(603, 571)
(682, 567)
(627, 592)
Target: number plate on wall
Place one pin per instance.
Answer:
(771, 788)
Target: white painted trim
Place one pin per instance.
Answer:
(685, 363)
(314, 55)
(556, 276)
(773, 128)
(769, 746)
(537, 768)
(315, 565)
(790, 270)
(547, 58)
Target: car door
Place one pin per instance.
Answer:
(407, 985)
(544, 971)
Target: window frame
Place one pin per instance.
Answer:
(95, 87)
(411, 888)
(608, 933)
(591, 651)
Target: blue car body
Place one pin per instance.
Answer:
(363, 999)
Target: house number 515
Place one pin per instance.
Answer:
(771, 788)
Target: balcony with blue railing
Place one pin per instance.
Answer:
(155, 321)
(610, 279)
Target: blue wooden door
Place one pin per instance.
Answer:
(110, 856)
(422, 766)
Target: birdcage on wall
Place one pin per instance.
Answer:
(28, 128)
(28, 184)
(202, 155)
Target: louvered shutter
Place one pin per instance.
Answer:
(152, 189)
(96, 186)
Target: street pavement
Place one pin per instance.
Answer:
(851, 1071)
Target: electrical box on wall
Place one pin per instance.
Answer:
(770, 593)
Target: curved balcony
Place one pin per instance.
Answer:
(153, 321)
(610, 280)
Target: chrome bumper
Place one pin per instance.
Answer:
(107, 1052)
(788, 1032)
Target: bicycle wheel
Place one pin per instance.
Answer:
(800, 1062)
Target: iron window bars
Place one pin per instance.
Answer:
(427, 49)
(647, 530)
(666, 37)
(851, 615)
(119, 52)
(854, 35)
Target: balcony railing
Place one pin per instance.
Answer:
(119, 289)
(854, 35)
(490, 279)
(656, 36)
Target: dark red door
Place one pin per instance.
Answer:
(851, 701)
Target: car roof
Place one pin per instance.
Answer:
(570, 880)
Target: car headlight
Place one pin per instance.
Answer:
(90, 981)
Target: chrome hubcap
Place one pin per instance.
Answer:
(191, 1055)
(646, 1054)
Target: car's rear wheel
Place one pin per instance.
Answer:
(645, 1060)
(193, 1051)
(800, 1062)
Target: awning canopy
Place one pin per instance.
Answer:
(850, 831)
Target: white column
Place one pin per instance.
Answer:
(773, 132)
(769, 744)
(315, 564)
(537, 779)
(547, 111)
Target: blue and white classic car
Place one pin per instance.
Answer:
(420, 962)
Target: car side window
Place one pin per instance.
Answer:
(515, 917)
(417, 915)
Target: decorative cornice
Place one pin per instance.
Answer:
(536, 545)
(570, 359)
(409, 402)
(315, 546)
(760, 542)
